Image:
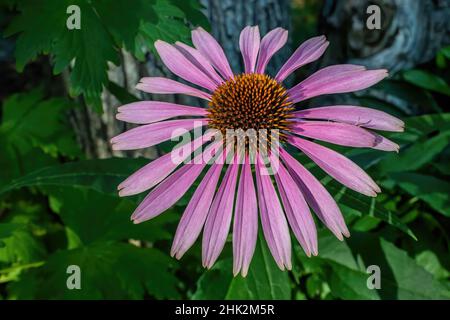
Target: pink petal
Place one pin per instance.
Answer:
(150, 175)
(359, 116)
(249, 41)
(211, 50)
(270, 44)
(245, 228)
(167, 193)
(194, 216)
(150, 134)
(297, 211)
(219, 218)
(144, 112)
(168, 86)
(199, 61)
(339, 167)
(176, 62)
(382, 143)
(274, 225)
(308, 51)
(335, 132)
(317, 196)
(336, 79)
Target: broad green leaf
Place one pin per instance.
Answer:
(264, 279)
(108, 271)
(418, 154)
(401, 277)
(109, 221)
(33, 128)
(102, 175)
(432, 190)
(429, 261)
(412, 281)
(427, 80)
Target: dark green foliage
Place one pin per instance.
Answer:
(105, 27)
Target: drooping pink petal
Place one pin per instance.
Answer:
(150, 134)
(382, 143)
(167, 193)
(270, 44)
(249, 41)
(199, 61)
(317, 196)
(273, 221)
(153, 173)
(211, 49)
(171, 189)
(359, 116)
(218, 221)
(335, 79)
(176, 62)
(339, 167)
(297, 211)
(167, 86)
(308, 51)
(144, 112)
(334, 132)
(195, 214)
(245, 227)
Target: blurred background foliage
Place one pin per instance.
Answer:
(58, 200)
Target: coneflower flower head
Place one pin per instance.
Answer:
(247, 174)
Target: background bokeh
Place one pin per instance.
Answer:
(60, 90)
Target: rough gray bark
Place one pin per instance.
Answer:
(411, 32)
(227, 18)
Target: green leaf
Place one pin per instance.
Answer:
(28, 119)
(427, 80)
(102, 175)
(264, 279)
(123, 18)
(105, 26)
(33, 128)
(425, 137)
(417, 155)
(401, 277)
(431, 190)
(108, 271)
(88, 75)
(37, 32)
(109, 221)
(445, 51)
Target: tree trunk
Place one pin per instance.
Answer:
(411, 32)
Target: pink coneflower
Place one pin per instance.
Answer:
(251, 100)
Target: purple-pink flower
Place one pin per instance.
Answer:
(234, 192)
